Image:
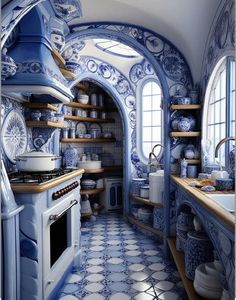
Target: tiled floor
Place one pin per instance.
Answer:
(120, 263)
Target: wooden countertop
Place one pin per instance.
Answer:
(24, 188)
(207, 202)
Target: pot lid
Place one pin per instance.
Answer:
(35, 154)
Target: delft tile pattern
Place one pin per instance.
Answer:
(119, 262)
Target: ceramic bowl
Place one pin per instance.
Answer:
(206, 292)
(209, 168)
(184, 100)
(211, 269)
(88, 184)
(224, 184)
(207, 280)
(83, 99)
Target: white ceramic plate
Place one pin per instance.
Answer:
(80, 128)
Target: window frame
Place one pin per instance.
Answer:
(139, 121)
(226, 61)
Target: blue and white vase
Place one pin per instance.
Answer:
(198, 250)
(184, 124)
(8, 66)
(70, 157)
(183, 168)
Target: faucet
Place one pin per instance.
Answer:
(156, 158)
(222, 142)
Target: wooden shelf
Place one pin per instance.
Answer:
(67, 74)
(87, 119)
(44, 124)
(91, 192)
(85, 106)
(144, 226)
(185, 106)
(193, 161)
(113, 168)
(81, 87)
(84, 140)
(93, 171)
(185, 134)
(179, 261)
(40, 106)
(58, 58)
(145, 201)
(86, 214)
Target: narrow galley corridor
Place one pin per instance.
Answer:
(119, 262)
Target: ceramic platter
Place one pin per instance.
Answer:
(14, 135)
(81, 128)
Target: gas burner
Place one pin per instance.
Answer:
(36, 177)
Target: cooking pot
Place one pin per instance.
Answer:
(36, 161)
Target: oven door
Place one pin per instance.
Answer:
(60, 224)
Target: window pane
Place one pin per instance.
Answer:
(147, 103)
(151, 117)
(217, 112)
(223, 84)
(156, 103)
(147, 118)
(147, 89)
(147, 134)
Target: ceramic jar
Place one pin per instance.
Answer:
(184, 100)
(223, 184)
(100, 100)
(35, 115)
(183, 225)
(93, 99)
(144, 191)
(194, 96)
(72, 133)
(103, 115)
(198, 250)
(70, 157)
(65, 133)
(184, 124)
(136, 184)
(93, 114)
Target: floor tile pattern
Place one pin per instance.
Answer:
(119, 262)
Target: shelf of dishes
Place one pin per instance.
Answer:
(88, 119)
(88, 140)
(144, 226)
(180, 264)
(45, 124)
(145, 201)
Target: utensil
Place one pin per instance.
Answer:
(36, 161)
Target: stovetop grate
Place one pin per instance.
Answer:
(36, 177)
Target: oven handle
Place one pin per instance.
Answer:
(56, 217)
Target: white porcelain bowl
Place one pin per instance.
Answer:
(90, 164)
(211, 269)
(206, 292)
(205, 278)
(83, 99)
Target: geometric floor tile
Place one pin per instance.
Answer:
(120, 262)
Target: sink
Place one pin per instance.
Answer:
(227, 201)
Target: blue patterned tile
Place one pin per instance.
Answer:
(119, 262)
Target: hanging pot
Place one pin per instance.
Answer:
(36, 161)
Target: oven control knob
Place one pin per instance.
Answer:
(55, 196)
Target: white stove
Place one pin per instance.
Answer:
(49, 229)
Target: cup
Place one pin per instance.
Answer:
(72, 133)
(192, 171)
(65, 133)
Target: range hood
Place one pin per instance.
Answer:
(37, 72)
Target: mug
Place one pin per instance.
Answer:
(192, 171)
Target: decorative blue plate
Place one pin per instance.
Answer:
(14, 135)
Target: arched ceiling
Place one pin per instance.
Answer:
(185, 23)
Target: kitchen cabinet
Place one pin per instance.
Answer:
(218, 224)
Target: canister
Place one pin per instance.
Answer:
(144, 191)
(136, 184)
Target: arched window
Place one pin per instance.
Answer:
(219, 110)
(149, 118)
